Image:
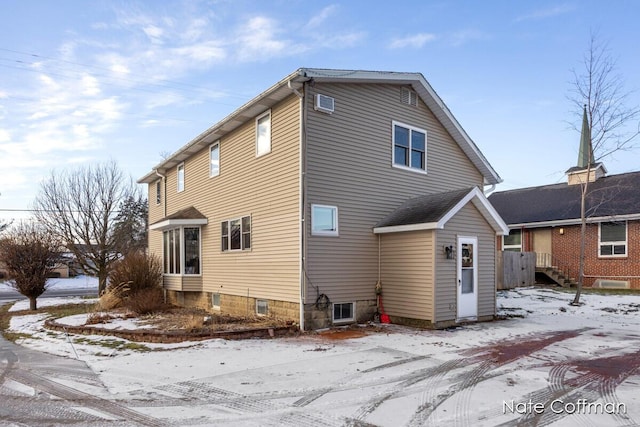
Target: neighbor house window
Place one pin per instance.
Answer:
(262, 307)
(613, 239)
(158, 192)
(263, 134)
(236, 234)
(181, 177)
(324, 220)
(512, 242)
(214, 160)
(343, 312)
(409, 147)
(181, 250)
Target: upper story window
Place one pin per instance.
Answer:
(236, 234)
(512, 242)
(180, 177)
(409, 147)
(214, 160)
(158, 192)
(263, 134)
(324, 220)
(181, 250)
(612, 239)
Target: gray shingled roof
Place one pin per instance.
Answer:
(613, 195)
(424, 209)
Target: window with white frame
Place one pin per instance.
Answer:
(215, 300)
(512, 242)
(409, 147)
(181, 251)
(612, 239)
(263, 134)
(180, 177)
(343, 312)
(236, 234)
(262, 307)
(158, 192)
(214, 159)
(324, 220)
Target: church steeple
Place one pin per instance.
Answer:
(585, 153)
(578, 174)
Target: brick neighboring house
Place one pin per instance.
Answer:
(303, 201)
(546, 220)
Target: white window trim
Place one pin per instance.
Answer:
(353, 312)
(393, 147)
(266, 113)
(625, 242)
(335, 221)
(242, 249)
(180, 166)
(158, 191)
(183, 267)
(213, 175)
(213, 304)
(519, 247)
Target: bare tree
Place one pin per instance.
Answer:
(598, 96)
(80, 207)
(29, 254)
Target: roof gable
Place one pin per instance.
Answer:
(433, 211)
(295, 81)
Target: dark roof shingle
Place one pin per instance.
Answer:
(608, 196)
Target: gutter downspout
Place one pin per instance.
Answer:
(301, 192)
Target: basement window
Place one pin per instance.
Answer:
(343, 312)
(262, 307)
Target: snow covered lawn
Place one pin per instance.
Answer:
(556, 365)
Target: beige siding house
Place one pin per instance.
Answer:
(292, 206)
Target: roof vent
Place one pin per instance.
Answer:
(408, 97)
(324, 103)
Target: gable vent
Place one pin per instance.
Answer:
(408, 97)
(324, 103)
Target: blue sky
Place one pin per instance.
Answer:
(89, 81)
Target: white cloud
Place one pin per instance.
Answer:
(415, 41)
(5, 136)
(464, 36)
(154, 33)
(257, 40)
(546, 13)
(321, 17)
(90, 85)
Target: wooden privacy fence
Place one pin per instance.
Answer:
(516, 269)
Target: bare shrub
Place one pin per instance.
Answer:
(97, 318)
(145, 301)
(138, 270)
(113, 297)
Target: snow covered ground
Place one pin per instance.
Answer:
(556, 365)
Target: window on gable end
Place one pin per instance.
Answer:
(180, 172)
(409, 147)
(214, 160)
(158, 192)
(263, 134)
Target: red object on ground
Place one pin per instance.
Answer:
(384, 317)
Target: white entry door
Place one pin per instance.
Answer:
(467, 278)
